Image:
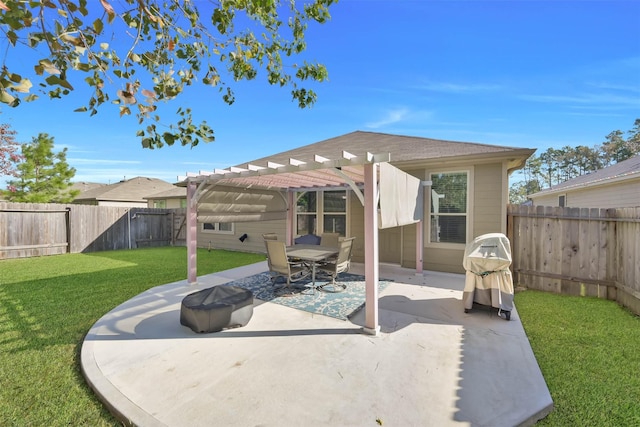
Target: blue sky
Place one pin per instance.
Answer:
(534, 74)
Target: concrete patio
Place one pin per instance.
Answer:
(431, 365)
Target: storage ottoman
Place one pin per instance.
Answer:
(217, 308)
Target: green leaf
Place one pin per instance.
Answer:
(6, 98)
(13, 37)
(98, 26)
(55, 80)
(169, 138)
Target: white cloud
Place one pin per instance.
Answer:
(399, 115)
(608, 100)
(102, 161)
(390, 117)
(458, 88)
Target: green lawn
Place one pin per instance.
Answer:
(48, 304)
(588, 349)
(589, 352)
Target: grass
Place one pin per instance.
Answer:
(589, 352)
(48, 304)
(588, 349)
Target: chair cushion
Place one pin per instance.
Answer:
(308, 239)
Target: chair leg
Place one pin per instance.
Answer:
(333, 286)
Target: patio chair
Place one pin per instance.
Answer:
(330, 239)
(280, 266)
(270, 236)
(341, 264)
(307, 239)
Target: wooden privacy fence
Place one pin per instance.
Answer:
(577, 251)
(29, 229)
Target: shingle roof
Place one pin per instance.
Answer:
(627, 169)
(402, 148)
(172, 193)
(131, 190)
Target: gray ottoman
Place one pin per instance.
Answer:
(217, 308)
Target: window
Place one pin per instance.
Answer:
(218, 227)
(449, 207)
(321, 212)
(160, 204)
(183, 203)
(561, 201)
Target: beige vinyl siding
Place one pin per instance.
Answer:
(608, 196)
(551, 200)
(253, 243)
(488, 208)
(356, 227)
(446, 260)
(409, 246)
(170, 203)
(122, 204)
(616, 195)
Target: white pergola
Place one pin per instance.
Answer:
(390, 198)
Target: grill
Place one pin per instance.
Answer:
(488, 280)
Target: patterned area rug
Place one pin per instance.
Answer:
(341, 305)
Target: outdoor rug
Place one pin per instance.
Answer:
(341, 305)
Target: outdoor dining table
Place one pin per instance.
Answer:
(312, 254)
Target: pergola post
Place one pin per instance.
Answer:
(192, 234)
(291, 209)
(371, 248)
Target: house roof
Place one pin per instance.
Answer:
(622, 171)
(302, 167)
(84, 186)
(130, 190)
(171, 193)
(404, 150)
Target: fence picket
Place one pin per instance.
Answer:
(593, 252)
(29, 229)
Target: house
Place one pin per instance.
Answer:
(465, 195)
(616, 186)
(172, 198)
(126, 193)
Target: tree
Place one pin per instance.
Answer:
(555, 166)
(136, 53)
(9, 156)
(43, 176)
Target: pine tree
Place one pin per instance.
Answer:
(43, 176)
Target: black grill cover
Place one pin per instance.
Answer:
(217, 308)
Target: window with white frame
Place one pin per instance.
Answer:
(218, 227)
(161, 204)
(321, 212)
(449, 207)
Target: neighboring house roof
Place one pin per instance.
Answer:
(86, 186)
(404, 150)
(622, 171)
(172, 193)
(130, 190)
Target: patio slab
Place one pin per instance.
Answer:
(431, 365)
